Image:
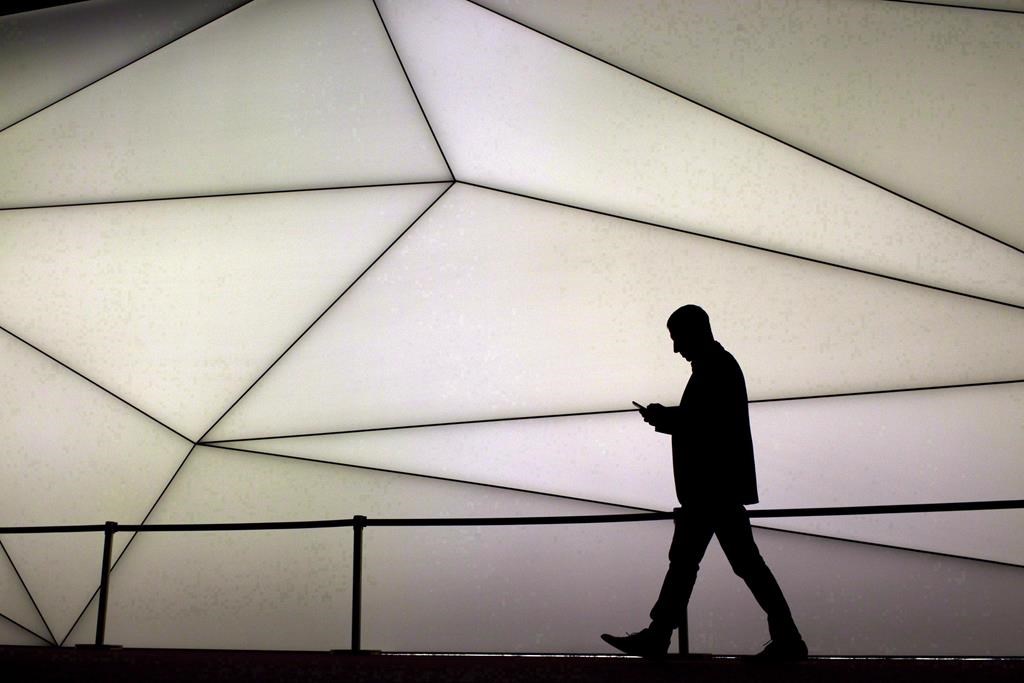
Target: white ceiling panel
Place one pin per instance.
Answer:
(914, 447)
(46, 55)
(924, 100)
(177, 306)
(274, 96)
(879, 449)
(518, 111)
(12, 635)
(495, 306)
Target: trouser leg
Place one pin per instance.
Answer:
(693, 531)
(737, 541)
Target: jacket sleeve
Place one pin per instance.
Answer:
(672, 422)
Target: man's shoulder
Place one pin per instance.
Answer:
(723, 358)
(724, 367)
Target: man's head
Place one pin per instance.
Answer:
(690, 330)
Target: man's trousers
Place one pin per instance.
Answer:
(695, 524)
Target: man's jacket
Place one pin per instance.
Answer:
(712, 452)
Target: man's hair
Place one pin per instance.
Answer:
(691, 319)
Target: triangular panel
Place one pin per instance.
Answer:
(291, 589)
(47, 55)
(887, 90)
(494, 306)
(72, 455)
(11, 634)
(273, 96)
(15, 603)
(177, 306)
(518, 111)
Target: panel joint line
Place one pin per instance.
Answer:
(251, 193)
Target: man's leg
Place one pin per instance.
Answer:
(737, 541)
(693, 531)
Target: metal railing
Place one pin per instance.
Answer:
(359, 523)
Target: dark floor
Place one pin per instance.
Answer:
(196, 666)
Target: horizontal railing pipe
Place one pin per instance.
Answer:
(911, 508)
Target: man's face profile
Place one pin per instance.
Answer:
(682, 343)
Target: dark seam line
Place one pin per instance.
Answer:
(128, 544)
(223, 194)
(601, 412)
(329, 307)
(752, 128)
(416, 96)
(969, 7)
(124, 66)
(891, 391)
(740, 244)
(98, 386)
(435, 477)
(26, 629)
(890, 547)
(35, 606)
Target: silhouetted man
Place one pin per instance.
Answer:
(713, 463)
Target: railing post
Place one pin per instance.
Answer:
(358, 524)
(109, 529)
(683, 634)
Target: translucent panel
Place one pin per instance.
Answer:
(10, 634)
(177, 306)
(918, 447)
(284, 590)
(924, 100)
(915, 447)
(989, 535)
(612, 458)
(15, 603)
(277, 590)
(46, 55)
(512, 589)
(497, 306)
(271, 97)
(852, 599)
(518, 111)
(72, 455)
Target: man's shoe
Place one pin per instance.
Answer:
(788, 650)
(646, 643)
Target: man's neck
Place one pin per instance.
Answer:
(704, 351)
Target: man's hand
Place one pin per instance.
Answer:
(655, 415)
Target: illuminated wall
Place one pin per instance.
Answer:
(284, 226)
